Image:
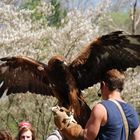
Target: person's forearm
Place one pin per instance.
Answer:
(73, 133)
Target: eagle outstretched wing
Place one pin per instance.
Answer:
(65, 81)
(114, 50)
(22, 74)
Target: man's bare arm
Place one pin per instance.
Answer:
(97, 118)
(136, 134)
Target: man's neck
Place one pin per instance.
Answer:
(114, 95)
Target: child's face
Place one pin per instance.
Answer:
(26, 135)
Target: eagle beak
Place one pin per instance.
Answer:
(65, 63)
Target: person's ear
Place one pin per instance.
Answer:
(102, 84)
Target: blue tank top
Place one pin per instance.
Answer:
(114, 129)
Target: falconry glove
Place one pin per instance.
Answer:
(67, 124)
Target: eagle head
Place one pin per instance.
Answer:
(57, 61)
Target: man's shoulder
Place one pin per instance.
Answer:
(101, 104)
(99, 112)
(99, 109)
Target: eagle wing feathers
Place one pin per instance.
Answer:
(22, 74)
(114, 50)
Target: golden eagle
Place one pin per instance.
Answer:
(66, 80)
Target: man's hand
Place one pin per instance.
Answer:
(67, 124)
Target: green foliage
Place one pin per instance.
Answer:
(30, 4)
(36, 14)
(121, 17)
(118, 19)
(58, 13)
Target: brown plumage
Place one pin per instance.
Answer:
(65, 81)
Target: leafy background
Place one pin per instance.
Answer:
(41, 29)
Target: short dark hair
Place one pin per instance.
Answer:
(114, 79)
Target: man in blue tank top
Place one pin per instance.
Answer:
(105, 122)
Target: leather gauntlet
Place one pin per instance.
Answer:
(67, 124)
